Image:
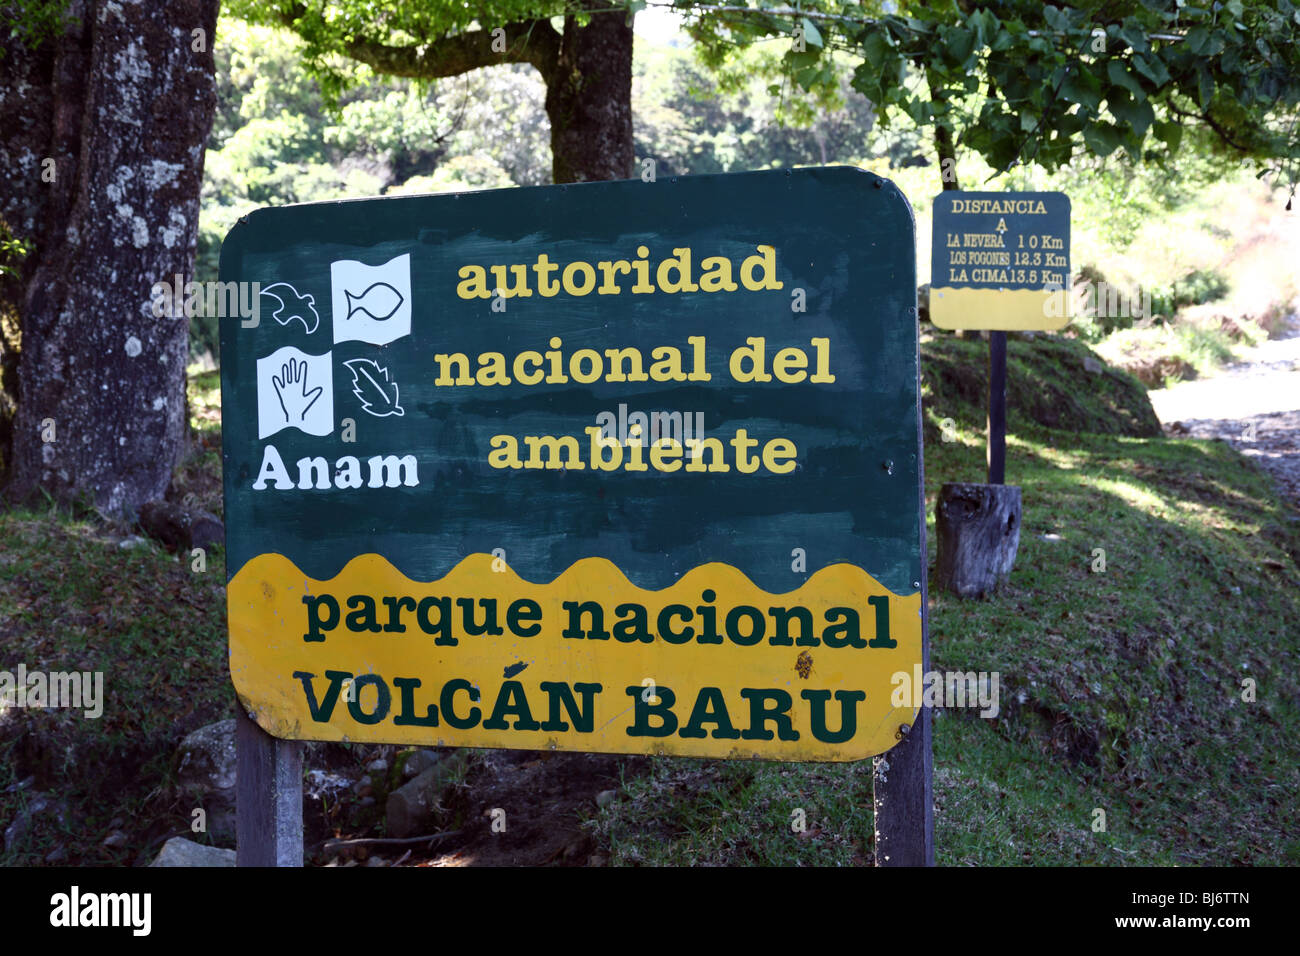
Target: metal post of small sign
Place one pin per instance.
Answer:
(268, 797)
(997, 450)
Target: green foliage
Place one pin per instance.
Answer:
(1048, 385)
(459, 174)
(692, 122)
(1096, 323)
(274, 139)
(1116, 195)
(155, 629)
(333, 30)
(33, 22)
(13, 250)
(1039, 84)
(1198, 286)
(1119, 689)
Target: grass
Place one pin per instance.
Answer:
(1128, 681)
(1049, 383)
(686, 812)
(1121, 689)
(72, 598)
(198, 479)
(1188, 347)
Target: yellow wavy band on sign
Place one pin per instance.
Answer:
(269, 620)
(999, 310)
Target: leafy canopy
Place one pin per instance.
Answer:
(1030, 83)
(413, 39)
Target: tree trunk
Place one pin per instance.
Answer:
(589, 100)
(102, 131)
(978, 527)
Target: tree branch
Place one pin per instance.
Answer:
(1204, 116)
(943, 142)
(528, 41)
(532, 41)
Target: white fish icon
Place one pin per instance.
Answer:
(371, 303)
(380, 301)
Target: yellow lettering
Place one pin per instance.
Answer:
(823, 373)
(473, 283)
(717, 275)
(504, 453)
(717, 456)
(492, 369)
(609, 270)
(601, 445)
(588, 278)
(461, 360)
(754, 352)
(521, 281)
(682, 263)
(777, 451)
(788, 365)
(766, 260)
(633, 356)
(668, 367)
(666, 448)
(642, 269)
(523, 359)
(544, 267)
(590, 356)
(553, 446)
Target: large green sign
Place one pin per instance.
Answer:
(627, 467)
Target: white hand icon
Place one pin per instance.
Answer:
(295, 403)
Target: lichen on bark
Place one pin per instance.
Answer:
(121, 103)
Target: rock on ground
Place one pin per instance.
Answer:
(39, 805)
(411, 807)
(179, 851)
(206, 776)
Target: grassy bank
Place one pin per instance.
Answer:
(72, 598)
(1121, 689)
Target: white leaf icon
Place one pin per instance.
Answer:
(370, 384)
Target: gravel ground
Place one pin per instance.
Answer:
(1253, 404)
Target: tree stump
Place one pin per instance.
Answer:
(978, 528)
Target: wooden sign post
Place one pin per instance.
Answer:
(268, 811)
(621, 467)
(999, 262)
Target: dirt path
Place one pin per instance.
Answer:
(1253, 404)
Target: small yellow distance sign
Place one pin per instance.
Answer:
(594, 662)
(1000, 261)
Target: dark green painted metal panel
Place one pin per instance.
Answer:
(843, 235)
(1033, 240)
